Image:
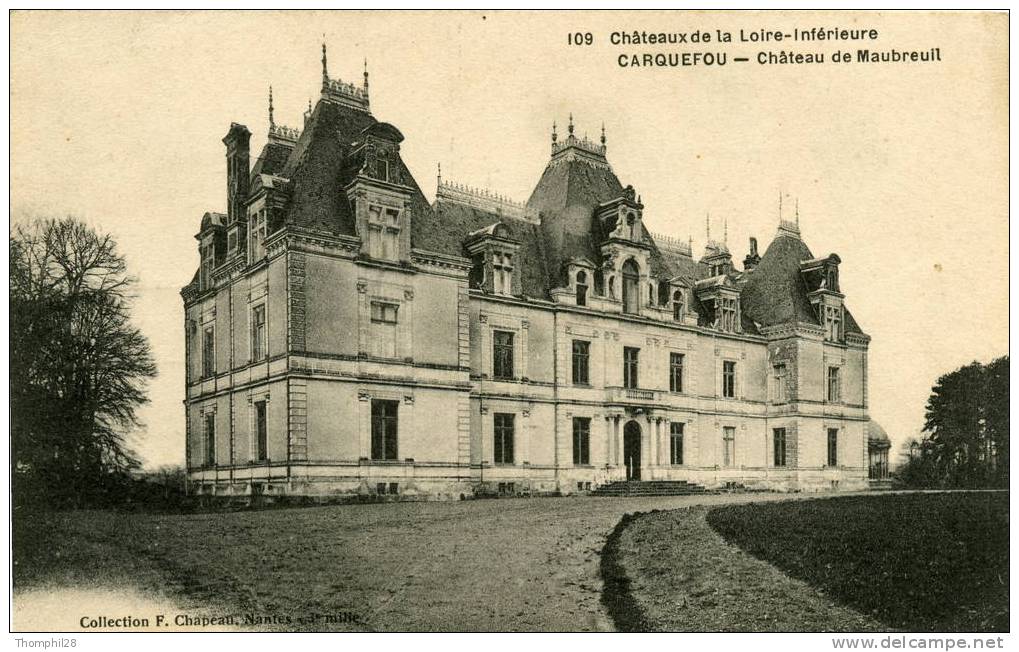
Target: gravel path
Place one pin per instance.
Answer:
(482, 565)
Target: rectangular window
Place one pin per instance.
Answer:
(728, 446)
(383, 232)
(676, 372)
(383, 330)
(258, 343)
(210, 439)
(209, 352)
(502, 269)
(261, 433)
(778, 444)
(581, 440)
(503, 451)
(833, 446)
(778, 391)
(581, 362)
(676, 443)
(833, 385)
(257, 237)
(384, 429)
(833, 323)
(631, 364)
(729, 379)
(502, 362)
(208, 264)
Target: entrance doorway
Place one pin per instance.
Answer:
(631, 450)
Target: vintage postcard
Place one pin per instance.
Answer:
(510, 321)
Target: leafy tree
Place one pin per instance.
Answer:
(965, 431)
(78, 367)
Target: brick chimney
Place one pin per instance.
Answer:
(753, 257)
(237, 171)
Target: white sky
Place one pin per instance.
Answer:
(900, 169)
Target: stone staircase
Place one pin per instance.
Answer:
(649, 488)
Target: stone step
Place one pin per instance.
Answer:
(649, 488)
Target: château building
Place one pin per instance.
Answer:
(346, 336)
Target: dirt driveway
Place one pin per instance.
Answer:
(483, 565)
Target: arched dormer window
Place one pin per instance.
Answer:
(631, 287)
(581, 288)
(677, 305)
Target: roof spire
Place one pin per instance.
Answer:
(571, 123)
(366, 75)
(325, 67)
(272, 123)
(707, 225)
(725, 230)
(554, 135)
(439, 175)
(780, 205)
(797, 212)
(603, 133)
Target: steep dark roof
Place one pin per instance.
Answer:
(272, 159)
(775, 292)
(453, 222)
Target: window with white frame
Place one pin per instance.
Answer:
(779, 393)
(209, 351)
(728, 446)
(208, 250)
(727, 318)
(383, 232)
(259, 343)
(834, 388)
(502, 270)
(833, 323)
(257, 234)
(383, 328)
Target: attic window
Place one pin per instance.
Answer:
(257, 237)
(581, 288)
(677, 305)
(502, 268)
(727, 317)
(383, 232)
(833, 323)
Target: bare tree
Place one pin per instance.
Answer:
(78, 367)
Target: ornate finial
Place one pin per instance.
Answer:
(366, 75)
(571, 124)
(309, 105)
(272, 123)
(707, 225)
(689, 243)
(439, 175)
(797, 212)
(779, 205)
(325, 67)
(554, 135)
(725, 230)
(603, 134)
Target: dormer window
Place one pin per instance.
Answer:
(502, 266)
(727, 317)
(383, 232)
(581, 284)
(833, 323)
(677, 305)
(257, 236)
(208, 262)
(631, 287)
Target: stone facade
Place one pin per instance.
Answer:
(345, 336)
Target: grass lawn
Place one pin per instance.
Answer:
(921, 562)
(668, 571)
